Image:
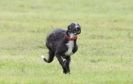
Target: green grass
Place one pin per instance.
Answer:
(105, 53)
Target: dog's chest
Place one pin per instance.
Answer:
(70, 46)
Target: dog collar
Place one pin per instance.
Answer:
(70, 39)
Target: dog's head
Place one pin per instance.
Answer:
(74, 28)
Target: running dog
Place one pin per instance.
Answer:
(62, 44)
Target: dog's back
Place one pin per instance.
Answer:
(55, 38)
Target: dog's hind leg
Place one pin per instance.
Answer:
(50, 57)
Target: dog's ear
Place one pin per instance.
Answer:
(67, 32)
(69, 27)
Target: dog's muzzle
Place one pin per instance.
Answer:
(77, 30)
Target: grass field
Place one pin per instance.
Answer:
(105, 53)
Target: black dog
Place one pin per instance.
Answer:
(62, 44)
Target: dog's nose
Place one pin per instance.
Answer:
(78, 28)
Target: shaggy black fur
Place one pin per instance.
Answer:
(57, 41)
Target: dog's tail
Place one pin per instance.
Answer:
(42, 57)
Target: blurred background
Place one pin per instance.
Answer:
(105, 44)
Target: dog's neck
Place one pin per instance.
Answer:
(71, 41)
(71, 37)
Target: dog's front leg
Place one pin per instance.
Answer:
(67, 63)
(62, 63)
